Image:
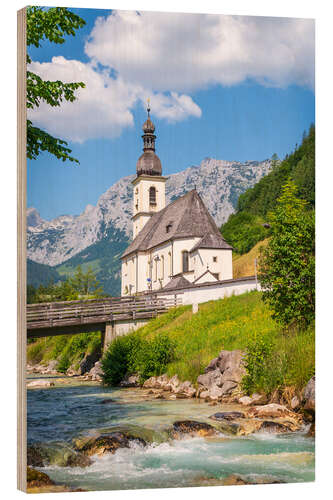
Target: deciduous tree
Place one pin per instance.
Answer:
(287, 264)
(49, 24)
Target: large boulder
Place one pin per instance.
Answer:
(150, 383)
(272, 410)
(130, 381)
(222, 376)
(108, 443)
(39, 384)
(36, 479)
(96, 373)
(172, 384)
(89, 361)
(185, 389)
(192, 428)
(210, 379)
(309, 395)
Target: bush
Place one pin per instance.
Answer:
(153, 356)
(257, 355)
(64, 363)
(134, 354)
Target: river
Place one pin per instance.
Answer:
(61, 413)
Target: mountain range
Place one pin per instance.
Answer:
(99, 235)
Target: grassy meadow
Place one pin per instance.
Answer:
(242, 322)
(238, 322)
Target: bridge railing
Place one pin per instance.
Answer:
(52, 314)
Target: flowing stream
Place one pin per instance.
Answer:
(57, 415)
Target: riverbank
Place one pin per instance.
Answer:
(151, 442)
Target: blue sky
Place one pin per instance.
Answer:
(243, 90)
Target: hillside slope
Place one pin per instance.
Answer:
(231, 323)
(247, 226)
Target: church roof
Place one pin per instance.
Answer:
(177, 282)
(212, 240)
(185, 217)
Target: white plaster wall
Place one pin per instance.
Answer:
(164, 267)
(141, 194)
(139, 223)
(124, 327)
(205, 256)
(128, 275)
(178, 247)
(197, 295)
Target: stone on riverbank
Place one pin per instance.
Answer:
(35, 478)
(309, 396)
(130, 381)
(39, 455)
(222, 376)
(108, 443)
(227, 415)
(192, 428)
(40, 383)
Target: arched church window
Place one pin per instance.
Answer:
(185, 261)
(152, 195)
(162, 267)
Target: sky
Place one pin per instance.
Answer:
(226, 87)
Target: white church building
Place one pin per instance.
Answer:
(176, 245)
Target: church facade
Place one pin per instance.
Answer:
(173, 246)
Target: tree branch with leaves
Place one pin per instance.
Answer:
(49, 24)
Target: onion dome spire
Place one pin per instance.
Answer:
(148, 132)
(148, 163)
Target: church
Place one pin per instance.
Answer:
(176, 245)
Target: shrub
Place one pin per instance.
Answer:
(154, 355)
(257, 355)
(115, 363)
(134, 354)
(64, 363)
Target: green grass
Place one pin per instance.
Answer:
(67, 349)
(233, 323)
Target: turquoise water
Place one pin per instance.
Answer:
(60, 414)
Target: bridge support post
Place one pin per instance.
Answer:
(108, 335)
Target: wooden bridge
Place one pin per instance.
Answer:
(81, 316)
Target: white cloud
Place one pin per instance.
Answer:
(164, 57)
(103, 107)
(185, 52)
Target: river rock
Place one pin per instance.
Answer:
(185, 389)
(39, 455)
(237, 480)
(227, 415)
(109, 443)
(309, 395)
(96, 372)
(130, 381)
(192, 428)
(295, 403)
(272, 410)
(36, 479)
(150, 383)
(40, 383)
(215, 393)
(89, 361)
(245, 400)
(312, 430)
(223, 373)
(172, 384)
(210, 379)
(276, 427)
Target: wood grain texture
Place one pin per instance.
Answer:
(21, 252)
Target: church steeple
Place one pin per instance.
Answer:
(148, 129)
(148, 163)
